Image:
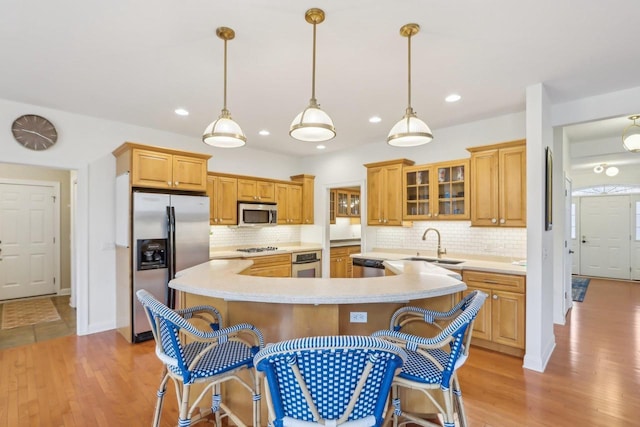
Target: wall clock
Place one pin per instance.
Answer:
(34, 132)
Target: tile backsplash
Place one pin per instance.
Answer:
(225, 237)
(456, 237)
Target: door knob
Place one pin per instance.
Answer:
(571, 252)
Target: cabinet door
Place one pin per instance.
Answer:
(153, 169)
(294, 202)
(374, 196)
(332, 207)
(265, 191)
(342, 203)
(227, 200)
(482, 324)
(508, 318)
(484, 188)
(247, 190)
(211, 192)
(392, 205)
(452, 191)
(189, 173)
(354, 204)
(416, 189)
(513, 187)
(283, 203)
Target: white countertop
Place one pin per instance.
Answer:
(469, 262)
(413, 280)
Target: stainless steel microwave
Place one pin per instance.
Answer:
(257, 214)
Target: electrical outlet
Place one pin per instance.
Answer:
(358, 317)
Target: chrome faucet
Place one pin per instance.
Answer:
(440, 251)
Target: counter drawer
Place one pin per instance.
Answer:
(505, 282)
(268, 260)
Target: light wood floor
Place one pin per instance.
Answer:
(592, 378)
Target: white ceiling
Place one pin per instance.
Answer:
(136, 61)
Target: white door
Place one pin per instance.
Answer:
(575, 235)
(26, 240)
(568, 251)
(604, 237)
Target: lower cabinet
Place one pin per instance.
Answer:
(270, 266)
(341, 263)
(500, 324)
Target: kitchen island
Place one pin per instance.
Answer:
(285, 308)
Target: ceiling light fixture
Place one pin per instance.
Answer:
(181, 112)
(598, 168)
(454, 97)
(410, 130)
(313, 124)
(264, 132)
(611, 171)
(631, 136)
(375, 119)
(224, 132)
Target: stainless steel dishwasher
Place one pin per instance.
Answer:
(363, 267)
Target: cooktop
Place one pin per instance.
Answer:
(264, 249)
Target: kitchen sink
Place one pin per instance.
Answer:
(436, 260)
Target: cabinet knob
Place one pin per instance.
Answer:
(495, 296)
(436, 214)
(177, 183)
(385, 221)
(169, 183)
(493, 220)
(502, 221)
(429, 214)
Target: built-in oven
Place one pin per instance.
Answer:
(306, 264)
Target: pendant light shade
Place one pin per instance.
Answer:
(224, 132)
(313, 124)
(631, 136)
(410, 130)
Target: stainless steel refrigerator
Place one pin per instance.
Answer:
(170, 233)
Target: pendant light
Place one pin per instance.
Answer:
(410, 130)
(631, 136)
(224, 132)
(313, 124)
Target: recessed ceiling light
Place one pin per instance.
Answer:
(454, 97)
(375, 119)
(264, 132)
(611, 171)
(181, 112)
(321, 147)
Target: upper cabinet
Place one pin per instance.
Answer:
(255, 190)
(384, 192)
(223, 197)
(163, 168)
(289, 199)
(436, 191)
(347, 203)
(307, 196)
(499, 185)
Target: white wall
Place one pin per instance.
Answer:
(85, 144)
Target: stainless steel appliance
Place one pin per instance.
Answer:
(170, 233)
(306, 264)
(363, 267)
(253, 250)
(257, 214)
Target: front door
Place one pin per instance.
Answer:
(26, 240)
(604, 236)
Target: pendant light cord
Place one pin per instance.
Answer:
(409, 74)
(224, 106)
(313, 62)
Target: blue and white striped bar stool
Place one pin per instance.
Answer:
(211, 357)
(432, 362)
(329, 380)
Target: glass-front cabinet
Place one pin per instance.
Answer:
(347, 203)
(436, 191)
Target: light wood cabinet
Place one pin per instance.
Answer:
(162, 168)
(341, 263)
(347, 203)
(500, 324)
(332, 207)
(255, 190)
(270, 266)
(289, 199)
(384, 192)
(223, 198)
(499, 185)
(436, 191)
(307, 196)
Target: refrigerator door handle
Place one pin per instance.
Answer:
(171, 258)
